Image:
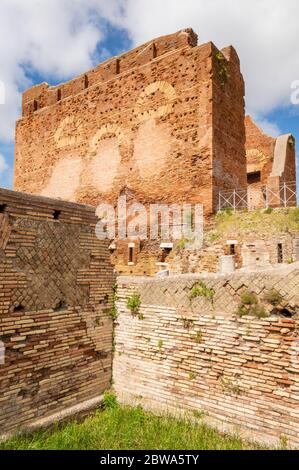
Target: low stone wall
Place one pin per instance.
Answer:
(237, 373)
(55, 291)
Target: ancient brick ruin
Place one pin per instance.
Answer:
(270, 163)
(164, 123)
(56, 289)
(188, 352)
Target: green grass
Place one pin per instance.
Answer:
(124, 428)
(239, 224)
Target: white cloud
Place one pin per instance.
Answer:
(57, 38)
(3, 164)
(264, 32)
(269, 128)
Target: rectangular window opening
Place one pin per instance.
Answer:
(280, 253)
(131, 254)
(56, 215)
(232, 250)
(117, 66)
(165, 253)
(254, 177)
(3, 208)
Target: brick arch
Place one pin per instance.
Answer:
(164, 109)
(256, 160)
(105, 160)
(106, 131)
(69, 132)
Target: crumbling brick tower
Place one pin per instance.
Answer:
(271, 164)
(163, 123)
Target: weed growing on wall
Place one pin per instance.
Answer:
(222, 69)
(249, 298)
(113, 313)
(198, 337)
(187, 323)
(133, 304)
(230, 386)
(250, 306)
(199, 289)
(110, 400)
(273, 297)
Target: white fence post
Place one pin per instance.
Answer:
(246, 198)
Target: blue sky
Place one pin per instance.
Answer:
(116, 41)
(51, 47)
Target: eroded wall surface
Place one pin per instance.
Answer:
(271, 163)
(179, 355)
(259, 150)
(55, 293)
(164, 121)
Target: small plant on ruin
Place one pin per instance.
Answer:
(258, 311)
(198, 337)
(114, 288)
(199, 289)
(283, 443)
(192, 376)
(273, 297)
(242, 311)
(110, 400)
(181, 244)
(229, 386)
(248, 330)
(134, 304)
(290, 261)
(222, 69)
(160, 345)
(269, 210)
(187, 323)
(113, 313)
(250, 306)
(249, 298)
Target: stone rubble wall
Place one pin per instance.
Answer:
(239, 374)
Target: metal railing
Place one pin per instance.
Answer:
(285, 195)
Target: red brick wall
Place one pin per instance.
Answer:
(259, 149)
(55, 293)
(229, 159)
(157, 120)
(198, 357)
